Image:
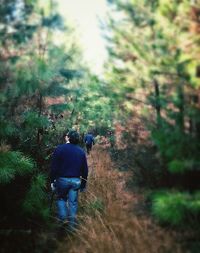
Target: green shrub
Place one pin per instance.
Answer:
(13, 163)
(176, 208)
(35, 203)
(181, 166)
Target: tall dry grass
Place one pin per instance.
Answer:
(108, 223)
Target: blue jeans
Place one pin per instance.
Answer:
(67, 198)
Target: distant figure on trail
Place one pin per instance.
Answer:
(69, 171)
(89, 141)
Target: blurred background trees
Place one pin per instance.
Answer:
(154, 54)
(153, 73)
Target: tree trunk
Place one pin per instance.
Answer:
(157, 102)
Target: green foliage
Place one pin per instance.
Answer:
(177, 148)
(177, 166)
(55, 21)
(32, 120)
(22, 31)
(70, 74)
(176, 208)
(170, 145)
(6, 174)
(170, 207)
(88, 104)
(59, 108)
(149, 53)
(6, 128)
(13, 163)
(37, 206)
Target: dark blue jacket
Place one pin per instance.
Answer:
(69, 160)
(89, 139)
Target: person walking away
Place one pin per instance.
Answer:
(89, 141)
(69, 171)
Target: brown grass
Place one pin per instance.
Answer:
(108, 223)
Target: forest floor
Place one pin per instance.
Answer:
(108, 220)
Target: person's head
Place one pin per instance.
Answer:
(73, 137)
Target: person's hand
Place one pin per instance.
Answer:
(53, 188)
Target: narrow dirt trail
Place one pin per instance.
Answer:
(107, 221)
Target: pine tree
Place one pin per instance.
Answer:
(150, 53)
(33, 68)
